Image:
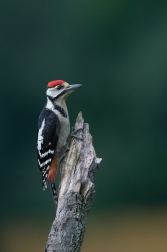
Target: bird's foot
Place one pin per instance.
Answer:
(73, 134)
(65, 149)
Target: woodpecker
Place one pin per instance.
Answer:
(53, 131)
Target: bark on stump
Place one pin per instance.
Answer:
(76, 192)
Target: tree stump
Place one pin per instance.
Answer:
(76, 192)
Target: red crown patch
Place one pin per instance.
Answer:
(54, 83)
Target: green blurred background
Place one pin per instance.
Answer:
(118, 50)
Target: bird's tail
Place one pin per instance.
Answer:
(54, 192)
(52, 186)
(44, 180)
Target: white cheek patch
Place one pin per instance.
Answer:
(53, 92)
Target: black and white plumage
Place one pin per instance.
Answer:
(49, 129)
(53, 131)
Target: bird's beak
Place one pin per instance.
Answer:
(72, 87)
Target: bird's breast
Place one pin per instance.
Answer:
(64, 133)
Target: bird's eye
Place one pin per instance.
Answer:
(59, 87)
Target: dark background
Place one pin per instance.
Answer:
(118, 50)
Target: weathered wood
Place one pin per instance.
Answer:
(76, 192)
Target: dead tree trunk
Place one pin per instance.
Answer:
(76, 192)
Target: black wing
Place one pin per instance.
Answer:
(48, 134)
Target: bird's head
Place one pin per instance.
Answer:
(58, 90)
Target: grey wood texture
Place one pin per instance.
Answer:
(76, 192)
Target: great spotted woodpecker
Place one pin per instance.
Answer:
(53, 131)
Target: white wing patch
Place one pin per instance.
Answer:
(46, 153)
(40, 137)
(44, 163)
